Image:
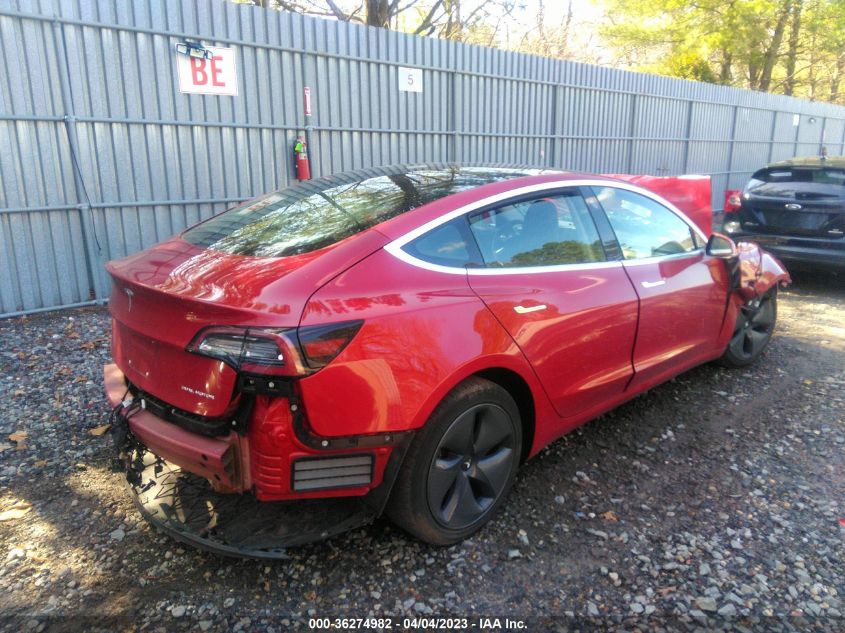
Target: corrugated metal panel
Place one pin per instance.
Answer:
(98, 78)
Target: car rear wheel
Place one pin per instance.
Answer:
(755, 324)
(460, 466)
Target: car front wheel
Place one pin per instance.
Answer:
(461, 465)
(755, 324)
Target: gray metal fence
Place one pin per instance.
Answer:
(101, 155)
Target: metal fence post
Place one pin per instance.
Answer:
(69, 120)
(731, 147)
(453, 127)
(554, 126)
(824, 128)
(632, 132)
(842, 141)
(688, 136)
(772, 136)
(308, 128)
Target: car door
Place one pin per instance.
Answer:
(547, 279)
(682, 291)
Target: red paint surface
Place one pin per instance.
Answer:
(682, 305)
(580, 343)
(178, 289)
(603, 337)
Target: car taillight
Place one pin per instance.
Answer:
(322, 343)
(275, 351)
(254, 350)
(733, 200)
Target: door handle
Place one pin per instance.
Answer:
(653, 284)
(526, 310)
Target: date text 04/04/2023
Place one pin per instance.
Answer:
(417, 624)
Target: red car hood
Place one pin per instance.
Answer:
(163, 296)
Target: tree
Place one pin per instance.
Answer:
(450, 19)
(792, 52)
(796, 47)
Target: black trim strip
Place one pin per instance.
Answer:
(193, 422)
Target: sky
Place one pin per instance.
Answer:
(585, 16)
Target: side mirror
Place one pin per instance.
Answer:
(721, 246)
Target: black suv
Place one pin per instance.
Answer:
(796, 210)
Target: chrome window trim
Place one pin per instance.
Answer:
(395, 247)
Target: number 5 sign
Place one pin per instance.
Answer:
(410, 79)
(215, 76)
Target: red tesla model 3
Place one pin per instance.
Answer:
(399, 339)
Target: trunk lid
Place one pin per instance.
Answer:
(163, 296)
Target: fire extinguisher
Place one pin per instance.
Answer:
(300, 150)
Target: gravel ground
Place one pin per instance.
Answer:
(714, 501)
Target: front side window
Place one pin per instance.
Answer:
(644, 227)
(552, 230)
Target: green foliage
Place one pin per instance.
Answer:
(788, 46)
(689, 65)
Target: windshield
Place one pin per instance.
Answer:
(798, 183)
(319, 213)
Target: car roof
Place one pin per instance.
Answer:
(811, 162)
(516, 179)
(486, 172)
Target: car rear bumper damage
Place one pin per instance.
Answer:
(208, 457)
(199, 490)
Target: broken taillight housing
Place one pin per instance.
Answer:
(275, 351)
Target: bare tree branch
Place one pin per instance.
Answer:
(338, 13)
(427, 21)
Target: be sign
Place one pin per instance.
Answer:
(215, 76)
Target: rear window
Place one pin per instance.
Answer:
(799, 183)
(317, 214)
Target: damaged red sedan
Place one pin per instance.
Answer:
(399, 340)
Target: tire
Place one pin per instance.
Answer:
(755, 325)
(461, 465)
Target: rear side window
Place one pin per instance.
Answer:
(644, 227)
(449, 244)
(553, 230)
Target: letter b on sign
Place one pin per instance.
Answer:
(215, 76)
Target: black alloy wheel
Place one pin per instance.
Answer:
(471, 466)
(460, 466)
(755, 324)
